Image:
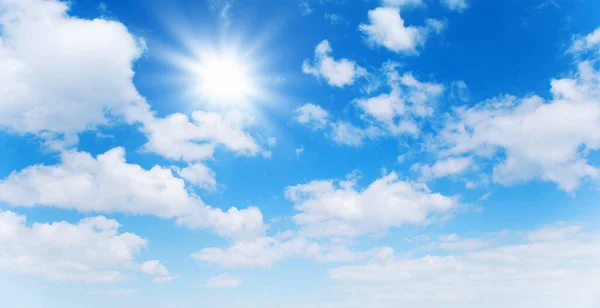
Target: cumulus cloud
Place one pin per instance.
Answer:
(91, 250)
(408, 99)
(455, 5)
(176, 137)
(109, 184)
(346, 133)
(387, 28)
(547, 140)
(200, 175)
(223, 281)
(443, 168)
(265, 251)
(337, 73)
(340, 208)
(311, 115)
(588, 42)
(527, 272)
(76, 82)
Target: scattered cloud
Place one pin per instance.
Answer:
(89, 251)
(200, 175)
(585, 43)
(311, 115)
(176, 137)
(455, 5)
(305, 8)
(387, 28)
(223, 281)
(409, 98)
(299, 150)
(443, 168)
(340, 208)
(460, 91)
(558, 271)
(109, 184)
(337, 73)
(539, 139)
(403, 3)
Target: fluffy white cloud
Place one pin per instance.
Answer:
(62, 74)
(311, 115)
(223, 281)
(330, 208)
(546, 140)
(259, 252)
(200, 175)
(442, 168)
(346, 133)
(176, 137)
(409, 99)
(455, 5)
(266, 251)
(109, 184)
(338, 73)
(386, 28)
(154, 268)
(528, 272)
(91, 250)
(588, 42)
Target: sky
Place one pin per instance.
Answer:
(312, 153)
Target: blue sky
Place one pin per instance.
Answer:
(326, 153)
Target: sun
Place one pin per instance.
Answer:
(225, 78)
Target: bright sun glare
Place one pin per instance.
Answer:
(222, 77)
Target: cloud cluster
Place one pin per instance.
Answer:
(387, 28)
(108, 184)
(337, 73)
(554, 266)
(90, 251)
(538, 139)
(340, 208)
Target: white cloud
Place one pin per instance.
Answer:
(83, 74)
(402, 3)
(337, 73)
(223, 281)
(562, 272)
(539, 139)
(436, 25)
(175, 137)
(460, 91)
(259, 252)
(200, 175)
(305, 8)
(109, 184)
(299, 151)
(443, 168)
(154, 268)
(346, 133)
(455, 5)
(339, 208)
(311, 115)
(265, 251)
(333, 18)
(588, 42)
(386, 28)
(409, 98)
(90, 251)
